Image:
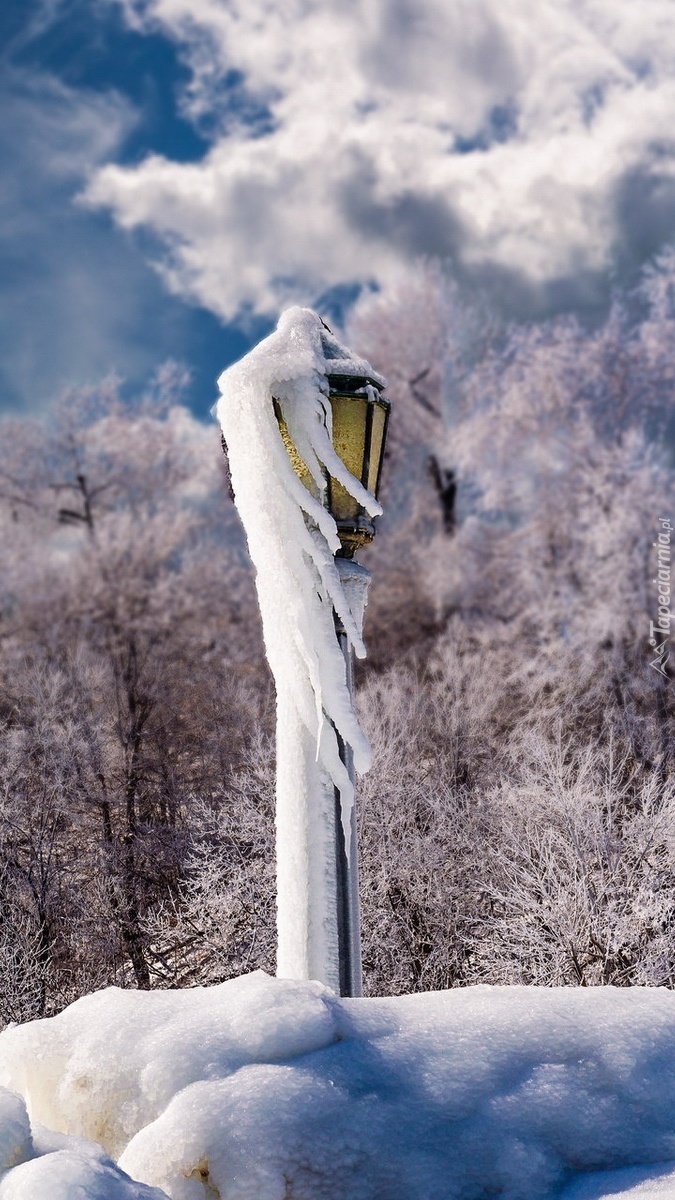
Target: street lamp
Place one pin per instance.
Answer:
(357, 422)
(360, 415)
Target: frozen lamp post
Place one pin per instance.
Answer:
(305, 423)
(358, 418)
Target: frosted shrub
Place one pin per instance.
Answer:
(503, 842)
(221, 921)
(581, 883)
(128, 657)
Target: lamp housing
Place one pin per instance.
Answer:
(360, 415)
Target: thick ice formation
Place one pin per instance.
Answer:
(261, 1089)
(298, 589)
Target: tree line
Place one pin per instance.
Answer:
(518, 824)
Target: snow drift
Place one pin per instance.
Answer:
(37, 1164)
(265, 1089)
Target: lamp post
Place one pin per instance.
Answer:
(358, 419)
(304, 422)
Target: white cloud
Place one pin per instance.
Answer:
(529, 143)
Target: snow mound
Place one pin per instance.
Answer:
(39, 1165)
(261, 1089)
(16, 1143)
(111, 1062)
(630, 1183)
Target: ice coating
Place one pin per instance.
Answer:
(260, 1088)
(298, 589)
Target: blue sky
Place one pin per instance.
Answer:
(80, 297)
(176, 171)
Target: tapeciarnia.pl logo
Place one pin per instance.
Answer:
(659, 630)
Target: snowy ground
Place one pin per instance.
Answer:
(265, 1089)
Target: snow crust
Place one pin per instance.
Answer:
(292, 540)
(263, 1088)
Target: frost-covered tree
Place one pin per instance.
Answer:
(517, 824)
(126, 651)
(532, 622)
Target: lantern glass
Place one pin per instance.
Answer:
(360, 416)
(359, 426)
(349, 440)
(380, 417)
(299, 465)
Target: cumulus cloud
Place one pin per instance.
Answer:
(530, 145)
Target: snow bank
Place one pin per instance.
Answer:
(630, 1183)
(261, 1089)
(36, 1164)
(292, 539)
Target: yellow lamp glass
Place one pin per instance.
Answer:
(359, 417)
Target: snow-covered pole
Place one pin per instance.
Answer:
(304, 423)
(355, 580)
